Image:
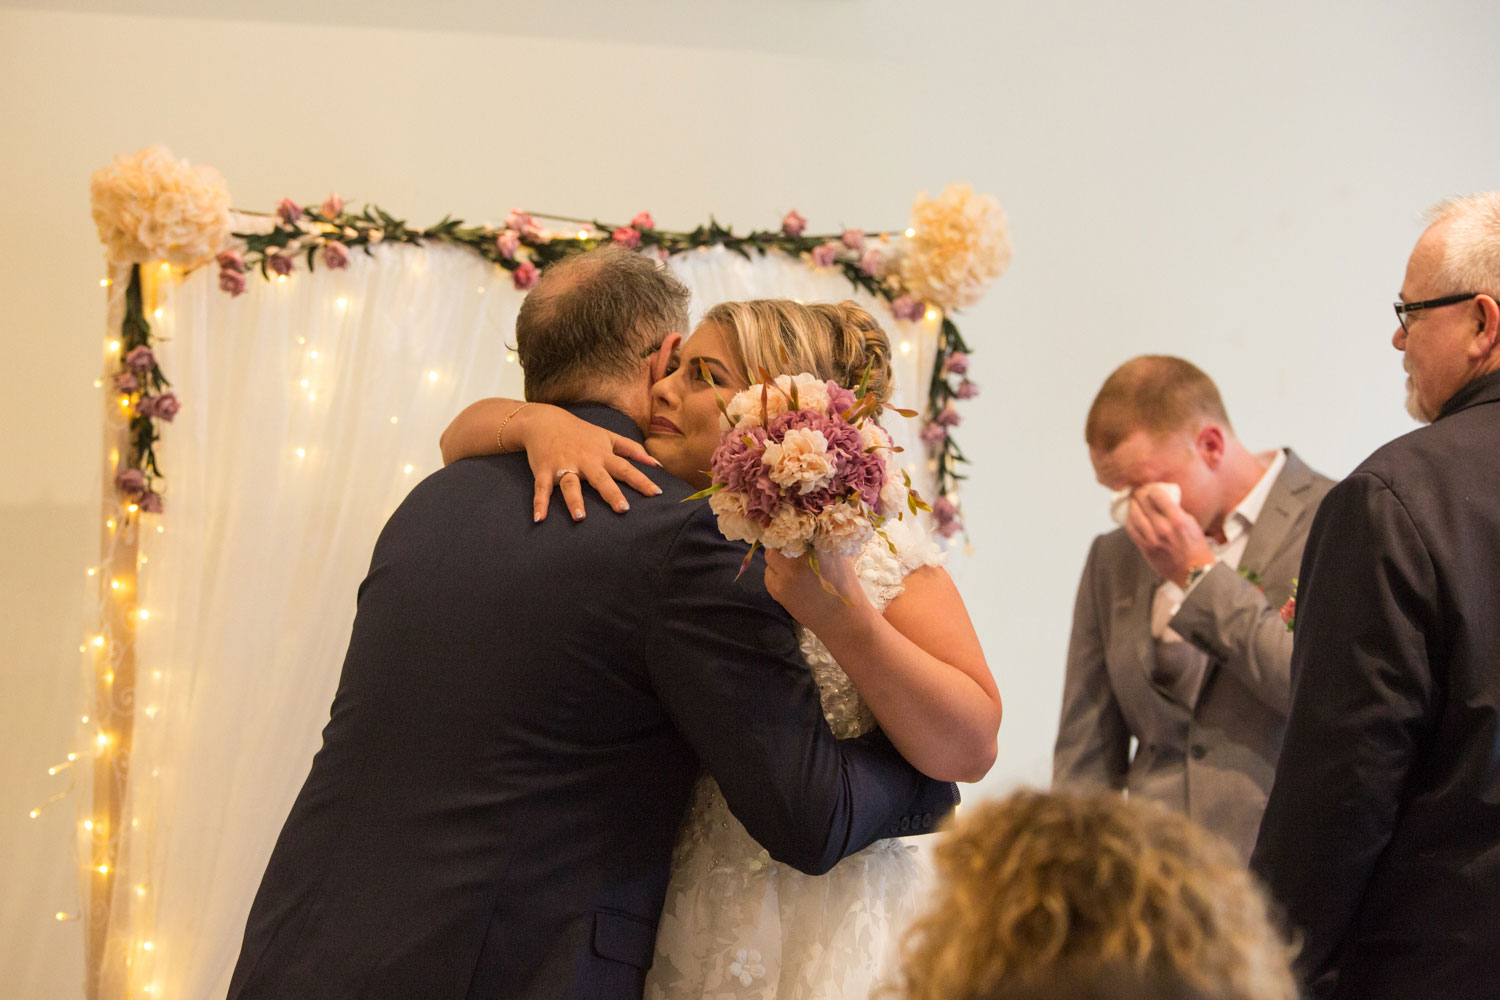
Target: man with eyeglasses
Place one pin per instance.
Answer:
(1381, 838)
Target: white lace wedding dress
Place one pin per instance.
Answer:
(737, 925)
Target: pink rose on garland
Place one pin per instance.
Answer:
(131, 483)
(335, 255)
(957, 364)
(934, 435)
(824, 254)
(507, 243)
(231, 281)
(231, 260)
(163, 407)
(643, 220)
(854, 239)
(140, 360)
(282, 263)
(332, 207)
(949, 416)
(626, 237)
(967, 390)
(794, 224)
(905, 307)
(870, 263)
(151, 502)
(524, 224)
(126, 382)
(525, 275)
(289, 211)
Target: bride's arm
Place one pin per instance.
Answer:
(918, 666)
(553, 439)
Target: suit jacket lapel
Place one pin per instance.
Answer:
(1272, 531)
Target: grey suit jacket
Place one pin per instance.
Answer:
(1213, 758)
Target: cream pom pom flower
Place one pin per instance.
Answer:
(149, 205)
(735, 522)
(789, 531)
(750, 408)
(842, 529)
(959, 247)
(800, 460)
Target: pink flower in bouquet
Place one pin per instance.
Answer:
(281, 263)
(151, 502)
(934, 435)
(626, 237)
(949, 416)
(794, 224)
(854, 239)
(140, 360)
(231, 260)
(126, 382)
(967, 390)
(643, 220)
(289, 211)
(1289, 612)
(131, 482)
(332, 206)
(232, 282)
(525, 275)
(870, 263)
(824, 254)
(163, 407)
(957, 364)
(335, 255)
(739, 466)
(507, 243)
(905, 307)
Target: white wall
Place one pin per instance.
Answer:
(1236, 183)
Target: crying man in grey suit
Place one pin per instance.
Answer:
(1178, 646)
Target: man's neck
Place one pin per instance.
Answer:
(1239, 474)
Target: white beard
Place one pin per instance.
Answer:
(1414, 405)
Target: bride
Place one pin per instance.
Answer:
(893, 647)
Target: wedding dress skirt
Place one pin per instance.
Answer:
(737, 924)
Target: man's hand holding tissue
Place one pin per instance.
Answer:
(1168, 536)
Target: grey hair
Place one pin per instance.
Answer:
(591, 321)
(1471, 256)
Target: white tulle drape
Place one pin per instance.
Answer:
(311, 406)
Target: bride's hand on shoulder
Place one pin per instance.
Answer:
(821, 603)
(555, 442)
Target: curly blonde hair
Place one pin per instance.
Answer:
(834, 342)
(1044, 885)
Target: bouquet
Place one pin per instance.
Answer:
(805, 467)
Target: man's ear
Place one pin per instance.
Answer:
(660, 359)
(1486, 336)
(1210, 442)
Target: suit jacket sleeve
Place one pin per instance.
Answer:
(724, 660)
(1362, 704)
(1093, 742)
(1228, 617)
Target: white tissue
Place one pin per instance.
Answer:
(1119, 501)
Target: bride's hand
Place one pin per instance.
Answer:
(556, 442)
(797, 588)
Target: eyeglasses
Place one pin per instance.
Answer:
(1404, 309)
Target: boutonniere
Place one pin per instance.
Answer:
(1254, 578)
(1289, 609)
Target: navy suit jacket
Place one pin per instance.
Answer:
(521, 716)
(1382, 835)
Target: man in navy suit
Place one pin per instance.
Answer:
(524, 708)
(1382, 835)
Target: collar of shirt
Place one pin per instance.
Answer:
(1245, 514)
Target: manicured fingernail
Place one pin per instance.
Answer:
(536, 518)
(655, 490)
(624, 506)
(578, 515)
(657, 464)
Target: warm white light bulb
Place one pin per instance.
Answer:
(114, 347)
(910, 233)
(143, 614)
(407, 470)
(510, 357)
(88, 824)
(905, 347)
(393, 420)
(432, 376)
(313, 355)
(99, 643)
(102, 869)
(147, 945)
(103, 282)
(342, 302)
(301, 452)
(91, 571)
(932, 315)
(157, 314)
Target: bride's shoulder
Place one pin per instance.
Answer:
(899, 548)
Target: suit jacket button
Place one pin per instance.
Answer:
(905, 823)
(1198, 751)
(927, 821)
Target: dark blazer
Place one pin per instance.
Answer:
(1211, 757)
(522, 713)
(1382, 835)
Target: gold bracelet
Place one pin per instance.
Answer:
(500, 434)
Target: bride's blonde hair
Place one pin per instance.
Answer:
(834, 342)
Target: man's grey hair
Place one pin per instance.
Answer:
(591, 321)
(1471, 258)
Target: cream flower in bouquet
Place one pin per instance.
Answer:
(149, 205)
(804, 466)
(959, 246)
